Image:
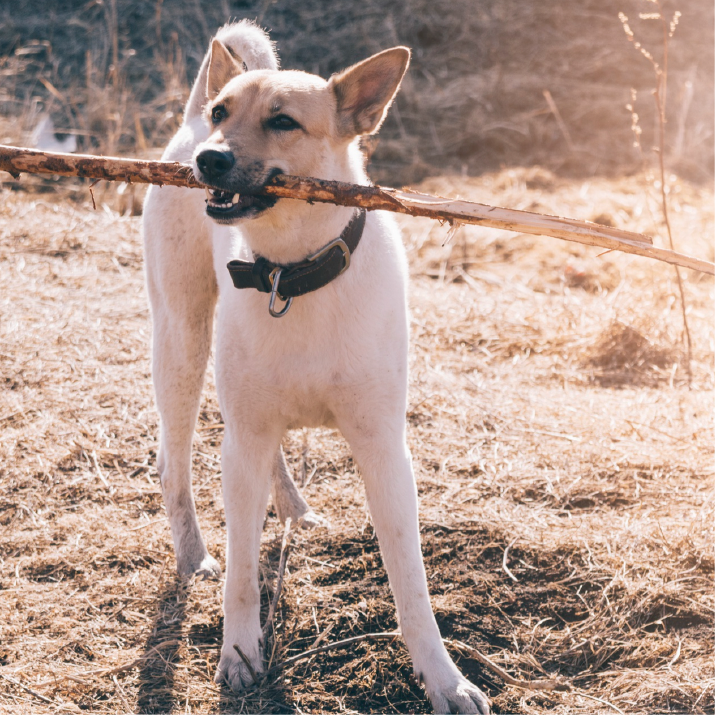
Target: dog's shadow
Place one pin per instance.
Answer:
(157, 674)
(162, 686)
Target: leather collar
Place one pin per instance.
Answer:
(306, 276)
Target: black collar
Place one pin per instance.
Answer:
(297, 279)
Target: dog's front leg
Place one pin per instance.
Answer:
(246, 460)
(386, 467)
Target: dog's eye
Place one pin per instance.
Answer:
(218, 113)
(282, 123)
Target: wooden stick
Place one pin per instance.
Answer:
(16, 160)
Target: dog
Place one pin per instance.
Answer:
(312, 327)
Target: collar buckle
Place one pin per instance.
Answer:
(335, 243)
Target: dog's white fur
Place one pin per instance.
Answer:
(338, 358)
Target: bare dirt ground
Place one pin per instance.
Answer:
(565, 473)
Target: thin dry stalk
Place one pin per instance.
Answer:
(32, 692)
(559, 120)
(550, 684)
(246, 662)
(282, 563)
(329, 646)
(601, 700)
(660, 100)
(660, 96)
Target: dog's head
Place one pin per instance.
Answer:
(269, 122)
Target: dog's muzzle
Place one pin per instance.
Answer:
(231, 197)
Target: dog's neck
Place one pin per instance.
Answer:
(294, 229)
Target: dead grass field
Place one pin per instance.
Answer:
(552, 430)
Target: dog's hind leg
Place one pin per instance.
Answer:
(182, 290)
(287, 499)
(380, 449)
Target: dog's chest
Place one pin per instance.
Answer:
(333, 345)
(296, 371)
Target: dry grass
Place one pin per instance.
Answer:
(117, 73)
(549, 419)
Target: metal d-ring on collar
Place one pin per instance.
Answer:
(275, 274)
(286, 282)
(275, 277)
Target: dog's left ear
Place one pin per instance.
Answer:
(223, 66)
(365, 91)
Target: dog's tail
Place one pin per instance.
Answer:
(244, 39)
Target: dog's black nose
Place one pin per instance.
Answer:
(214, 164)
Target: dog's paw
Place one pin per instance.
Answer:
(201, 565)
(458, 696)
(311, 520)
(233, 671)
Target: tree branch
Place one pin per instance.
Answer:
(16, 160)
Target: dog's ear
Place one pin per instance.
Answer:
(223, 66)
(365, 91)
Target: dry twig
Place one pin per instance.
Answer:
(16, 160)
(329, 646)
(246, 662)
(32, 692)
(282, 562)
(550, 684)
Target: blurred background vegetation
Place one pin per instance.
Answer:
(493, 83)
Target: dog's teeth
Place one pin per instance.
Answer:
(236, 198)
(208, 195)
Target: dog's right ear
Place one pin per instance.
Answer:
(223, 66)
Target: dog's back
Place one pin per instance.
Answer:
(176, 212)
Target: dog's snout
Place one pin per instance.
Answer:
(214, 164)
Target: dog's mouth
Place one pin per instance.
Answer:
(227, 206)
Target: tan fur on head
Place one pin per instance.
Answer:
(249, 102)
(291, 121)
(223, 67)
(365, 91)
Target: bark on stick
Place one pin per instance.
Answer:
(17, 160)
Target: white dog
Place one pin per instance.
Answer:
(338, 354)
